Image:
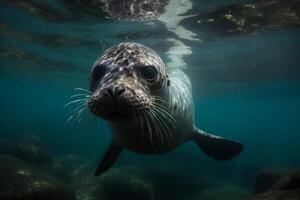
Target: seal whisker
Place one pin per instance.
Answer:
(144, 125)
(69, 119)
(102, 44)
(79, 95)
(137, 121)
(165, 113)
(78, 114)
(158, 98)
(150, 120)
(148, 128)
(162, 117)
(141, 124)
(134, 116)
(158, 132)
(163, 124)
(157, 121)
(161, 128)
(83, 90)
(164, 110)
(167, 130)
(75, 101)
(74, 117)
(80, 106)
(159, 101)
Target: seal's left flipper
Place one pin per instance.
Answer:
(215, 146)
(108, 159)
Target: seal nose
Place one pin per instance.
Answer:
(115, 91)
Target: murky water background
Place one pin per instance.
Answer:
(245, 86)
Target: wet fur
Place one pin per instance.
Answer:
(172, 91)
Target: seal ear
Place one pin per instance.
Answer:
(215, 146)
(109, 158)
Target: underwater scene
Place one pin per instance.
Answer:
(150, 100)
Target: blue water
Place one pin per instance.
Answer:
(244, 87)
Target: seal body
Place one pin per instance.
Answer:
(148, 106)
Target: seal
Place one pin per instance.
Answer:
(148, 106)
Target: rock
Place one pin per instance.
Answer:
(22, 181)
(27, 137)
(266, 179)
(279, 195)
(224, 192)
(288, 182)
(168, 183)
(122, 186)
(129, 9)
(57, 172)
(248, 174)
(93, 9)
(286, 188)
(136, 183)
(247, 18)
(27, 147)
(117, 183)
(28, 153)
(71, 163)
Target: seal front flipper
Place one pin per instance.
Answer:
(109, 158)
(215, 146)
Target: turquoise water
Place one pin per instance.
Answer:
(245, 87)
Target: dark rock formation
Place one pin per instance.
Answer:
(249, 18)
(279, 195)
(286, 188)
(118, 183)
(57, 172)
(27, 153)
(171, 184)
(26, 147)
(21, 181)
(288, 182)
(126, 184)
(131, 9)
(75, 165)
(26, 137)
(136, 183)
(248, 174)
(93, 9)
(266, 179)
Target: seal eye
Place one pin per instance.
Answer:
(149, 72)
(99, 72)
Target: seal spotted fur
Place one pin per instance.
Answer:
(148, 106)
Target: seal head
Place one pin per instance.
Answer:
(124, 80)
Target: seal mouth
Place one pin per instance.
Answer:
(110, 110)
(117, 116)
